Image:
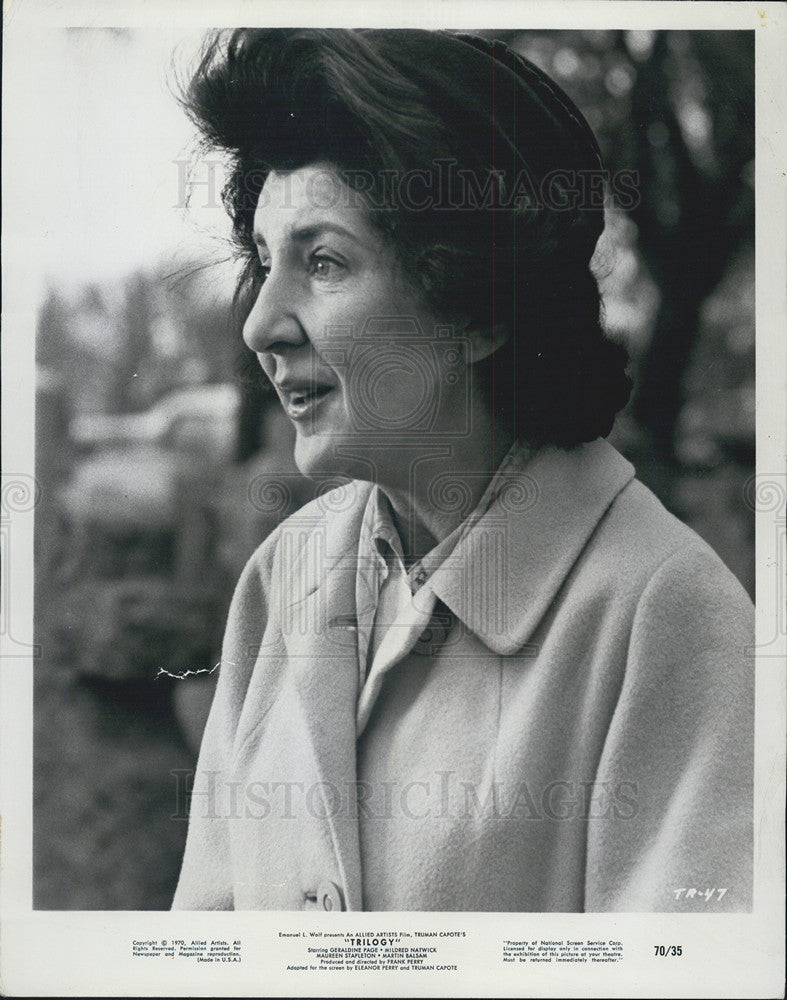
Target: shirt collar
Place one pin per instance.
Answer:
(379, 531)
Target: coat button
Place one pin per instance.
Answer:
(329, 896)
(436, 632)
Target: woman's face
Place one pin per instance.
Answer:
(366, 373)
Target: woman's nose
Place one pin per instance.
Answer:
(272, 319)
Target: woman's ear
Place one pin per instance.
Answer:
(483, 342)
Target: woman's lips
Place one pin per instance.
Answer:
(300, 402)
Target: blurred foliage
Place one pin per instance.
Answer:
(677, 274)
(678, 108)
(119, 348)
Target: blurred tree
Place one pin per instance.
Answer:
(132, 391)
(53, 331)
(56, 347)
(693, 104)
(677, 107)
(209, 331)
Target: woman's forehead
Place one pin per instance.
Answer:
(309, 198)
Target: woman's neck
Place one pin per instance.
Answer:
(443, 488)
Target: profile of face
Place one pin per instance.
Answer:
(361, 365)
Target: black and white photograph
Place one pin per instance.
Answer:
(393, 464)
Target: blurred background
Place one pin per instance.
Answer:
(157, 449)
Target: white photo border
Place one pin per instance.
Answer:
(89, 953)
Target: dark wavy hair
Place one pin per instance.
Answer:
(379, 104)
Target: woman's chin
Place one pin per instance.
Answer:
(320, 456)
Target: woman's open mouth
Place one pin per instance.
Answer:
(301, 402)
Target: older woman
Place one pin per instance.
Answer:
(489, 671)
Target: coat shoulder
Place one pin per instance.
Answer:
(333, 517)
(644, 544)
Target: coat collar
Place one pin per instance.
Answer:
(503, 575)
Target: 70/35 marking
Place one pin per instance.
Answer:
(668, 950)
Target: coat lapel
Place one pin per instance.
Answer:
(502, 577)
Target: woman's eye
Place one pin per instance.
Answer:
(324, 268)
(260, 268)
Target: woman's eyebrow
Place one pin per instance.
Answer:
(302, 234)
(308, 232)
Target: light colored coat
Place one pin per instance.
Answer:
(582, 740)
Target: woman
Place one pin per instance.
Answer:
(490, 671)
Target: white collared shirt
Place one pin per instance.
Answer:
(396, 606)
